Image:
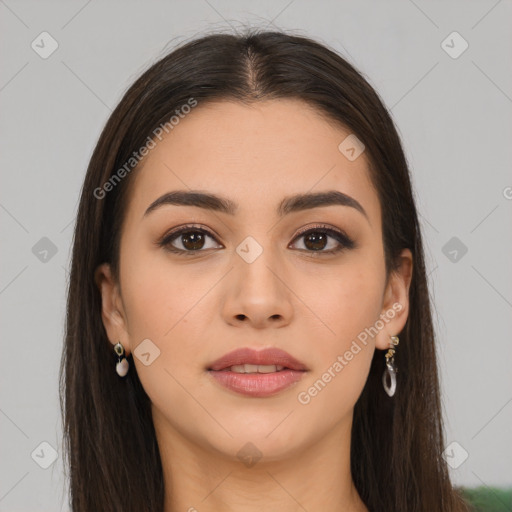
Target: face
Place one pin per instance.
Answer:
(198, 283)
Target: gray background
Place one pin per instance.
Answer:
(454, 116)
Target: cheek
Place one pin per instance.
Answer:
(348, 306)
(345, 301)
(170, 306)
(158, 294)
(163, 304)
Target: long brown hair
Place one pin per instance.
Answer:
(110, 443)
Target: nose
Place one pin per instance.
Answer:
(258, 293)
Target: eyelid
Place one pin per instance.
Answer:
(325, 227)
(180, 230)
(338, 234)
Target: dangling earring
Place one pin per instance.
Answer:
(122, 363)
(391, 370)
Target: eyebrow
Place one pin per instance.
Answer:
(290, 204)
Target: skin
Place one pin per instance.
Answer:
(313, 307)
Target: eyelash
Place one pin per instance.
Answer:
(344, 240)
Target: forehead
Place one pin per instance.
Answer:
(255, 155)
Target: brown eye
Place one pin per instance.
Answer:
(317, 240)
(192, 240)
(188, 240)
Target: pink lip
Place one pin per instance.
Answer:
(257, 384)
(264, 357)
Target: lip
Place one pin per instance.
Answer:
(266, 356)
(257, 385)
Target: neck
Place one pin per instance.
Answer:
(200, 479)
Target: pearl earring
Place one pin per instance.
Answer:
(122, 365)
(391, 370)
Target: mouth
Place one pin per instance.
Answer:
(261, 373)
(254, 368)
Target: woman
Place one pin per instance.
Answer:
(248, 322)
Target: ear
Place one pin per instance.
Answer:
(112, 311)
(395, 307)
